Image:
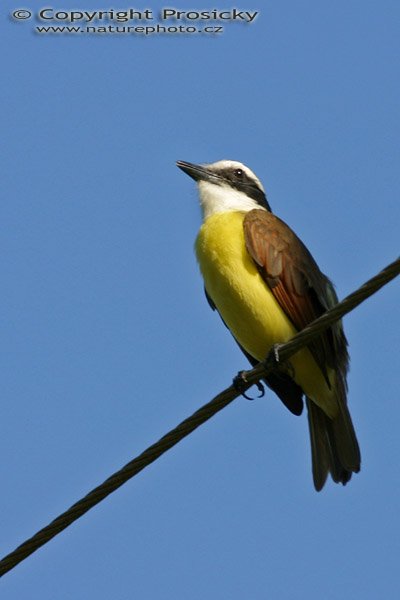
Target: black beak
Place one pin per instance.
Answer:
(196, 172)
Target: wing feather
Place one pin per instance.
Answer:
(297, 283)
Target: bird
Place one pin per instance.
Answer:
(266, 286)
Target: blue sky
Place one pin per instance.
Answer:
(107, 340)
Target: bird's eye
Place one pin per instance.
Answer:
(238, 173)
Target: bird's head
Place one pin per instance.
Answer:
(226, 185)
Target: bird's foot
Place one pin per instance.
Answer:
(273, 358)
(240, 383)
(274, 362)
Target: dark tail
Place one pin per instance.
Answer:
(334, 446)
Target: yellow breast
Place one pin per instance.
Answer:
(242, 298)
(245, 302)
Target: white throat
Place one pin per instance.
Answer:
(216, 198)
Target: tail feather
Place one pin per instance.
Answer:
(334, 446)
(343, 433)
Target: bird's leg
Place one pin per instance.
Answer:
(273, 361)
(275, 350)
(273, 358)
(240, 383)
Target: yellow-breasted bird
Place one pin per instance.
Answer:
(266, 286)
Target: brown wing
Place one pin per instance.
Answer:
(304, 293)
(294, 278)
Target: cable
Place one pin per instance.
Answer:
(311, 331)
(202, 415)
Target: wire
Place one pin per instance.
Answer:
(281, 353)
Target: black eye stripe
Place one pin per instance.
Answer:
(245, 184)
